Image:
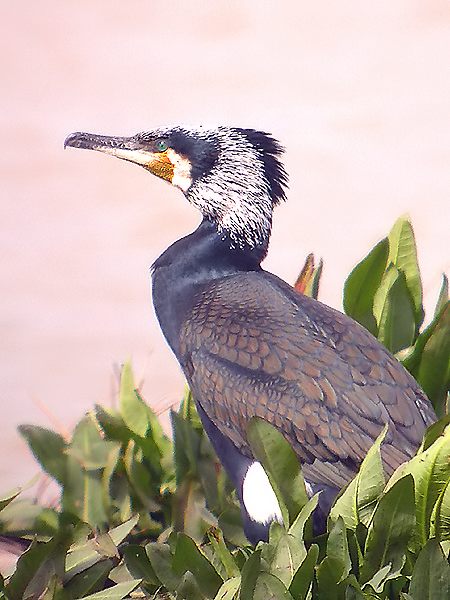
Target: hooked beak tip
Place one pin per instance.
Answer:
(75, 140)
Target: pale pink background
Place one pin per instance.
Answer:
(358, 91)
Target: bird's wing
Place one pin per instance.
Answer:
(252, 346)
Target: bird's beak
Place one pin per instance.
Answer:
(126, 148)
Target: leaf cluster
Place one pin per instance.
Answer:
(384, 294)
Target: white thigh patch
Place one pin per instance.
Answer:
(258, 496)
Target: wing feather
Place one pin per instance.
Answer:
(252, 346)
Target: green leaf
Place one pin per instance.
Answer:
(385, 574)
(394, 311)
(346, 505)
(268, 587)
(211, 476)
(221, 551)
(82, 556)
(371, 481)
(229, 589)
(431, 471)
(94, 455)
(138, 564)
(90, 580)
(82, 490)
(433, 372)
(353, 592)
(117, 592)
(53, 591)
(445, 545)
(119, 533)
(378, 580)
(189, 509)
(156, 432)
(443, 295)
(48, 447)
(287, 553)
(433, 432)
(112, 424)
(304, 576)
(132, 408)
(188, 557)
(105, 546)
(412, 356)
(86, 436)
(186, 447)
(337, 549)
(336, 565)
(249, 575)
(297, 529)
(362, 284)
(440, 517)
(357, 502)
(431, 575)
(230, 522)
(188, 411)
(189, 589)
(27, 566)
(21, 514)
(281, 465)
(161, 560)
(88, 447)
(9, 497)
(108, 495)
(41, 566)
(139, 476)
(391, 528)
(403, 254)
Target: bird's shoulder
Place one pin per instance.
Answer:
(258, 306)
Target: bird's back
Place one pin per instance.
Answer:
(252, 346)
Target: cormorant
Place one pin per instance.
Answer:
(248, 343)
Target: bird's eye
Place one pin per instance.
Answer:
(161, 145)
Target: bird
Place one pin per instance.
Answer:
(248, 343)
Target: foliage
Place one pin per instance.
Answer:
(384, 293)
(142, 515)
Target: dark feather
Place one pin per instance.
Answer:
(254, 347)
(270, 150)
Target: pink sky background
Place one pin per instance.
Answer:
(357, 91)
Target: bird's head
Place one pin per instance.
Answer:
(233, 176)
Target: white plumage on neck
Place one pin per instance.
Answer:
(235, 193)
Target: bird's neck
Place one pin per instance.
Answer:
(187, 266)
(241, 210)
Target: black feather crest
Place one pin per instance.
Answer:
(270, 150)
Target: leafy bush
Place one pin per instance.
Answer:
(141, 515)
